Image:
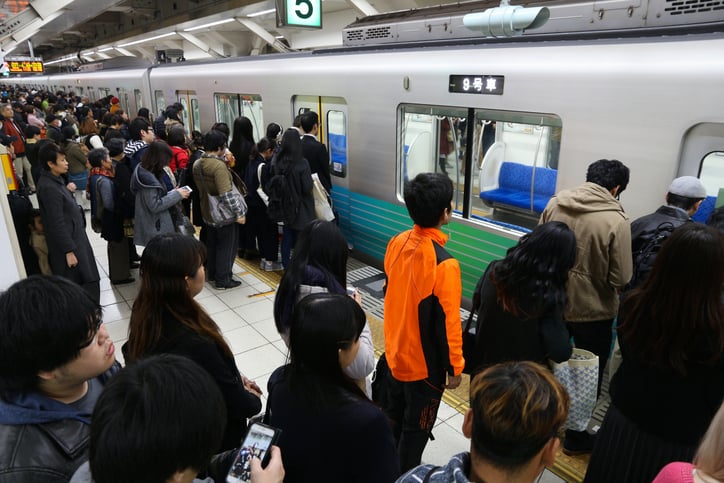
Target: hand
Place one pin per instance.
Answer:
(357, 297)
(71, 260)
(251, 386)
(274, 471)
(241, 220)
(453, 381)
(184, 193)
(71, 187)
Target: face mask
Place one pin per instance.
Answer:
(60, 114)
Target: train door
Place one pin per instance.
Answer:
(333, 128)
(190, 114)
(123, 97)
(231, 106)
(160, 102)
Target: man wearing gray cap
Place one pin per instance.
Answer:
(648, 232)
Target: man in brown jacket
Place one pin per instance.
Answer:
(603, 264)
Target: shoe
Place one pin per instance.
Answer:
(124, 281)
(229, 284)
(578, 442)
(272, 266)
(134, 265)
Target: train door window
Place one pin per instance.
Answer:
(160, 102)
(337, 142)
(513, 158)
(227, 108)
(91, 94)
(138, 97)
(123, 98)
(190, 113)
(251, 107)
(231, 106)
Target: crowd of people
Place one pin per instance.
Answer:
(583, 278)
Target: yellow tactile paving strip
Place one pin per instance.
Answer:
(570, 468)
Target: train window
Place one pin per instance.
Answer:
(91, 94)
(509, 159)
(139, 102)
(712, 174)
(337, 142)
(123, 97)
(160, 102)
(230, 106)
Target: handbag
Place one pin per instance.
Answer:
(322, 203)
(181, 222)
(128, 230)
(381, 382)
(219, 211)
(579, 375)
(260, 191)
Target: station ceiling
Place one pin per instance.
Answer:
(82, 31)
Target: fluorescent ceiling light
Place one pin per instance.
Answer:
(105, 50)
(263, 12)
(278, 36)
(156, 37)
(212, 24)
(62, 59)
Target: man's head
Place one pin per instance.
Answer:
(687, 193)
(517, 409)
(99, 158)
(310, 122)
(428, 198)
(115, 147)
(50, 336)
(140, 130)
(609, 173)
(52, 158)
(53, 120)
(158, 418)
(31, 132)
(6, 110)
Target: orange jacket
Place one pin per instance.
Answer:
(423, 331)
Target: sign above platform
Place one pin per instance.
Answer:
(299, 13)
(24, 65)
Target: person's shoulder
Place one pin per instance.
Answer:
(676, 472)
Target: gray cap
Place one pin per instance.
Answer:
(688, 186)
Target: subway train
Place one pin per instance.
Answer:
(509, 121)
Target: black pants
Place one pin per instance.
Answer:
(597, 337)
(412, 408)
(265, 231)
(221, 246)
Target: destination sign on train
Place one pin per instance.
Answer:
(477, 84)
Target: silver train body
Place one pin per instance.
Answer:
(654, 103)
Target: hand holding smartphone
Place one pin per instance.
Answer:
(257, 444)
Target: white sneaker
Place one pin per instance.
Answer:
(262, 264)
(273, 266)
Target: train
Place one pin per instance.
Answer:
(511, 122)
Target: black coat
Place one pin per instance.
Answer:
(318, 158)
(65, 230)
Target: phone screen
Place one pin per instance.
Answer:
(257, 442)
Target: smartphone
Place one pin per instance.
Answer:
(187, 188)
(259, 439)
(350, 290)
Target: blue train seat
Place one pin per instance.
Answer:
(514, 187)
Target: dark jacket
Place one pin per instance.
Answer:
(318, 158)
(502, 336)
(122, 180)
(240, 404)
(299, 179)
(65, 230)
(43, 440)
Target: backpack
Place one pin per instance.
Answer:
(283, 199)
(470, 338)
(643, 258)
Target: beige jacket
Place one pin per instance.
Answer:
(603, 235)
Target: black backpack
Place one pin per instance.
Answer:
(643, 258)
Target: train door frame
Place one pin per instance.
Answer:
(699, 143)
(190, 116)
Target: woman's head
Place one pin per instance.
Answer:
(290, 149)
(176, 136)
(272, 131)
(68, 134)
(243, 129)
(156, 157)
(322, 245)
(265, 148)
(532, 277)
(516, 410)
(676, 316)
(324, 333)
(169, 266)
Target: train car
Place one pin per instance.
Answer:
(510, 123)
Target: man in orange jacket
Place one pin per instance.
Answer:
(423, 332)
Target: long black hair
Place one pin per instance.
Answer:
(322, 325)
(531, 279)
(290, 151)
(321, 245)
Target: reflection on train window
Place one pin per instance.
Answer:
(139, 102)
(230, 106)
(337, 142)
(513, 159)
(160, 102)
(712, 174)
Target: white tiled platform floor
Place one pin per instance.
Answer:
(244, 314)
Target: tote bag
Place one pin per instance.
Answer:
(322, 204)
(579, 375)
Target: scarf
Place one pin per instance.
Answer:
(96, 171)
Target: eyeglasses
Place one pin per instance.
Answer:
(98, 323)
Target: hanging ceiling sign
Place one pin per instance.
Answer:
(299, 13)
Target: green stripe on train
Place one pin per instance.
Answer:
(369, 223)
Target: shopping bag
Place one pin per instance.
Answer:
(322, 202)
(579, 375)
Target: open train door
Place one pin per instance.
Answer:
(333, 129)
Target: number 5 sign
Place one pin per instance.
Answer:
(299, 13)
